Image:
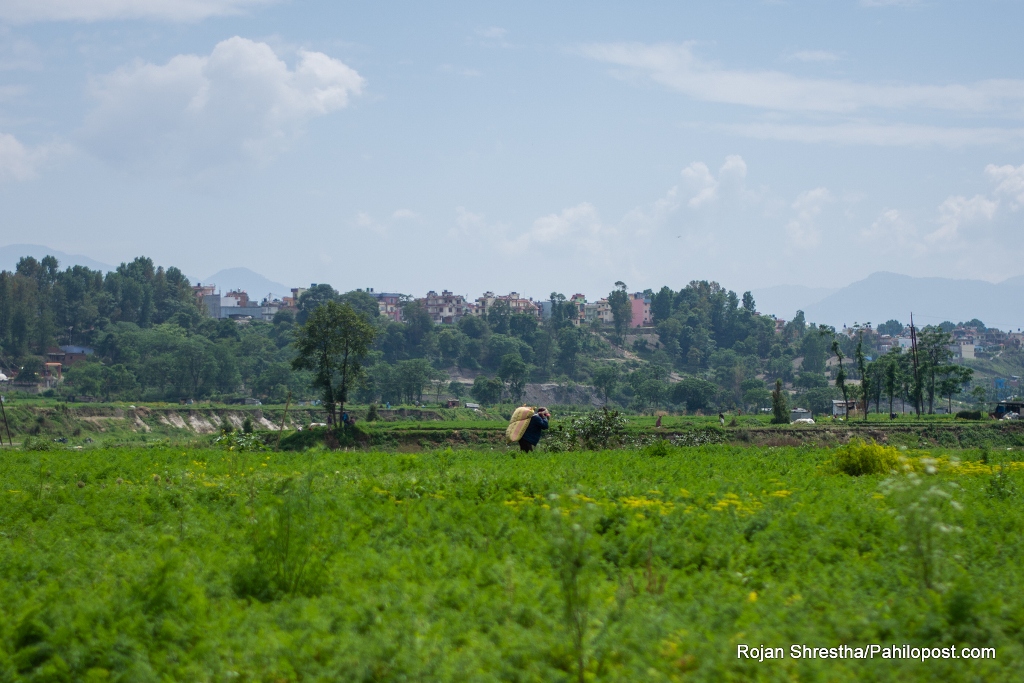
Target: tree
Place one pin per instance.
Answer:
(313, 298)
(862, 370)
(606, 378)
(841, 375)
(661, 305)
(499, 316)
(956, 379)
(892, 373)
(513, 371)
(934, 355)
(748, 302)
(891, 327)
(570, 343)
(362, 302)
(694, 393)
(456, 388)
(487, 390)
(622, 309)
(332, 344)
(412, 376)
(780, 411)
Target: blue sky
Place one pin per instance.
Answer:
(522, 146)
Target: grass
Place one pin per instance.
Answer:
(158, 564)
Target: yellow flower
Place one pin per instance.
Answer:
(752, 597)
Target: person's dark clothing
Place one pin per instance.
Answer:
(531, 437)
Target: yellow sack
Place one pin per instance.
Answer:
(517, 426)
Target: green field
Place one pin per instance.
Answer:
(152, 564)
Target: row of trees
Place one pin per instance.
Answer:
(153, 341)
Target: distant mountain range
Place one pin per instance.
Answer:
(12, 253)
(886, 296)
(249, 281)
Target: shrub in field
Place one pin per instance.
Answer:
(866, 457)
(288, 552)
(969, 415)
(597, 431)
(244, 442)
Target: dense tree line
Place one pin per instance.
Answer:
(713, 351)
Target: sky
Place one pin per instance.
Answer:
(528, 146)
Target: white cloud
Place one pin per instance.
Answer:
(579, 226)
(957, 211)
(240, 103)
(18, 162)
(879, 134)
(24, 11)
(677, 67)
(401, 214)
(470, 225)
(803, 229)
(1010, 182)
(814, 56)
(891, 231)
(706, 187)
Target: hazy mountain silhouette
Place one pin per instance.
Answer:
(885, 296)
(12, 253)
(783, 301)
(256, 285)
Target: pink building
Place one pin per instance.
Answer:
(641, 310)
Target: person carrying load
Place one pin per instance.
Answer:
(525, 427)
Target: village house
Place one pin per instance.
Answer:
(446, 308)
(516, 304)
(641, 306)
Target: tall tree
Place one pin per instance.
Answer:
(841, 375)
(332, 344)
(780, 411)
(862, 370)
(622, 309)
(934, 355)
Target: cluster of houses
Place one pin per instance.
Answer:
(968, 342)
(445, 308)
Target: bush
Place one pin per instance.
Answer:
(597, 431)
(969, 415)
(859, 457)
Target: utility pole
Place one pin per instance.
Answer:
(917, 376)
(6, 426)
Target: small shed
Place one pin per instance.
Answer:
(799, 414)
(841, 408)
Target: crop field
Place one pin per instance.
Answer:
(160, 564)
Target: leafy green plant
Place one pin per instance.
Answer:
(244, 442)
(600, 430)
(924, 507)
(858, 458)
(571, 557)
(1000, 484)
(288, 550)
